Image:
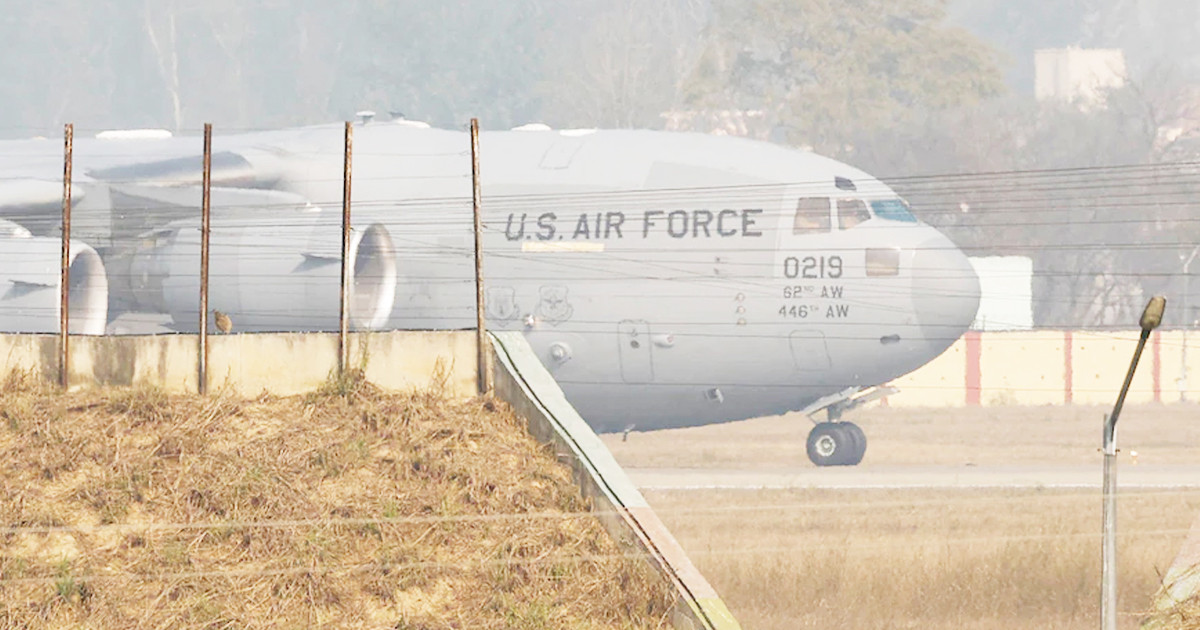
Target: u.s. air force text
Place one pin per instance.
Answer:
(680, 224)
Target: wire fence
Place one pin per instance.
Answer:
(610, 245)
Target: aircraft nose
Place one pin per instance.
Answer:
(945, 292)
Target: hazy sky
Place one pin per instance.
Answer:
(1153, 33)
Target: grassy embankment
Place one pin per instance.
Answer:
(132, 508)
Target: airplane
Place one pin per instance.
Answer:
(665, 279)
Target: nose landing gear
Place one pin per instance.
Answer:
(836, 444)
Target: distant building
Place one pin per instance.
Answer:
(1178, 137)
(719, 122)
(1006, 292)
(1080, 76)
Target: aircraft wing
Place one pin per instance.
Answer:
(245, 169)
(107, 173)
(20, 288)
(34, 194)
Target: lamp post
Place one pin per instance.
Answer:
(1151, 318)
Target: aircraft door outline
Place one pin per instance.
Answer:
(810, 350)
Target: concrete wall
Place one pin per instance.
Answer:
(281, 363)
(1054, 368)
(982, 368)
(522, 381)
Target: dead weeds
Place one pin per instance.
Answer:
(350, 507)
(934, 559)
(1184, 616)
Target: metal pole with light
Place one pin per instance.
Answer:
(1151, 318)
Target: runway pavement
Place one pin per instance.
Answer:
(864, 477)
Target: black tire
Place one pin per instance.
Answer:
(859, 441)
(830, 445)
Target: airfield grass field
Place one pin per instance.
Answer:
(976, 559)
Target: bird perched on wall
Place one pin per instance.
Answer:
(224, 324)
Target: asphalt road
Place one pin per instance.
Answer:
(863, 477)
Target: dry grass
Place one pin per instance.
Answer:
(1166, 434)
(1185, 616)
(936, 559)
(975, 560)
(133, 508)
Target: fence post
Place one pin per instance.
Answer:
(482, 356)
(64, 282)
(344, 314)
(205, 226)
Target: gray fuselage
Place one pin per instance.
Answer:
(664, 279)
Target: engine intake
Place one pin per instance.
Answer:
(269, 271)
(30, 278)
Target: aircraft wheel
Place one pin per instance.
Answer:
(830, 444)
(858, 439)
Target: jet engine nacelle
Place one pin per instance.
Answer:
(30, 281)
(269, 271)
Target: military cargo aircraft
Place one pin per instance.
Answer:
(665, 279)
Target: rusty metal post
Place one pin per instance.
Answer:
(344, 315)
(482, 356)
(64, 289)
(205, 227)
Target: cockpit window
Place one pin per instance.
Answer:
(812, 216)
(893, 210)
(851, 212)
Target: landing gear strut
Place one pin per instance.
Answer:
(836, 444)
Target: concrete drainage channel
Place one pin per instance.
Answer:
(522, 382)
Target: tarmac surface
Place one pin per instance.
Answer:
(896, 477)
